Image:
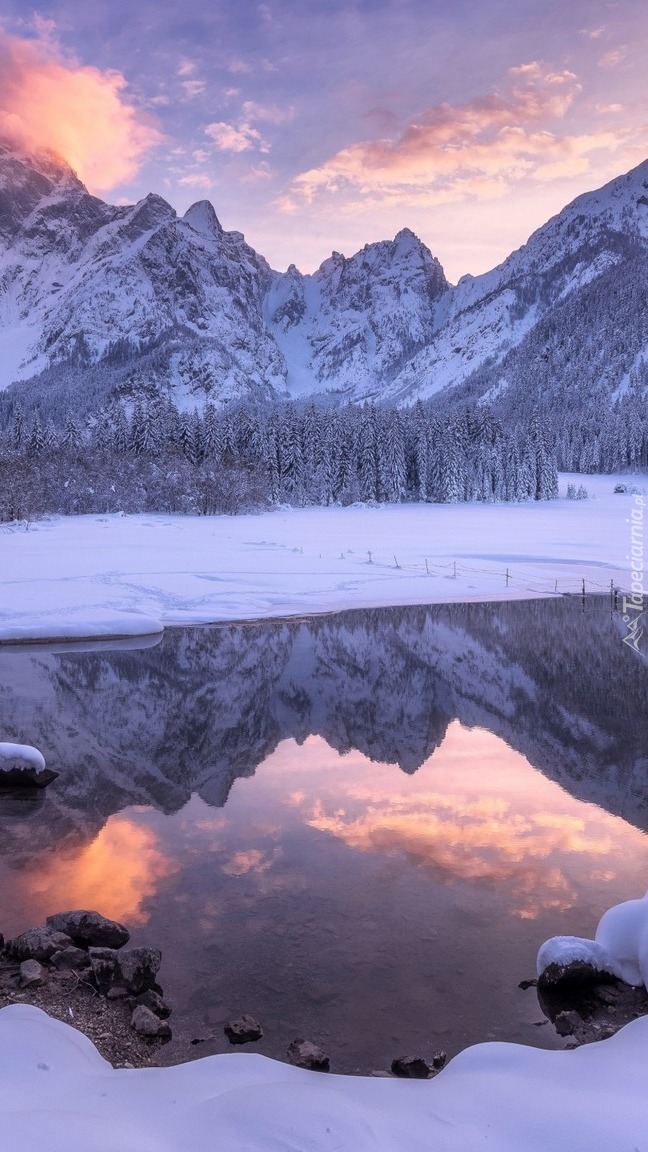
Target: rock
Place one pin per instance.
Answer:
(1, 942)
(139, 968)
(607, 995)
(31, 974)
(578, 972)
(146, 1023)
(129, 971)
(567, 1023)
(37, 944)
(70, 960)
(21, 765)
(412, 1068)
(439, 1060)
(104, 968)
(157, 1005)
(243, 1030)
(305, 1054)
(89, 929)
(524, 984)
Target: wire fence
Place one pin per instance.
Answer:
(510, 577)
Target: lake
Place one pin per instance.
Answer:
(358, 827)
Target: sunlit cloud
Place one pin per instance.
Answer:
(611, 59)
(239, 67)
(195, 180)
(476, 813)
(478, 149)
(192, 88)
(186, 67)
(115, 874)
(230, 138)
(267, 113)
(250, 861)
(50, 101)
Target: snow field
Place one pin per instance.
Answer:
(109, 576)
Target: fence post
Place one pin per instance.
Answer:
(455, 569)
(507, 577)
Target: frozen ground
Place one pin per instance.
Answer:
(130, 575)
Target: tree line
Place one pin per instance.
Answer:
(149, 456)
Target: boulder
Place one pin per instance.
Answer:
(89, 929)
(31, 974)
(572, 975)
(20, 764)
(146, 1023)
(70, 960)
(570, 961)
(37, 944)
(243, 1030)
(567, 1023)
(104, 968)
(155, 1003)
(417, 1068)
(139, 968)
(305, 1054)
(129, 971)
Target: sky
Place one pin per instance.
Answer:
(322, 126)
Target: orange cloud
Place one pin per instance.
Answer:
(79, 112)
(115, 874)
(479, 149)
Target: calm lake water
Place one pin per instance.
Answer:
(359, 828)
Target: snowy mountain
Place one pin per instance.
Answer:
(96, 299)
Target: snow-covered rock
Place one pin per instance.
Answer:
(22, 764)
(620, 947)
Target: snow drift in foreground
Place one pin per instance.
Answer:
(57, 1092)
(620, 945)
(110, 576)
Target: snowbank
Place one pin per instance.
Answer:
(111, 576)
(57, 1092)
(620, 944)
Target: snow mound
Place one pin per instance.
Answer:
(620, 944)
(56, 1091)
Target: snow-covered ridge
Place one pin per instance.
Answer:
(135, 296)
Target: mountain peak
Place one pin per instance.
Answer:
(45, 162)
(202, 218)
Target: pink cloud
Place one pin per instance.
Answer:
(48, 100)
(229, 138)
(478, 149)
(612, 58)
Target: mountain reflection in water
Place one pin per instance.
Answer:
(333, 892)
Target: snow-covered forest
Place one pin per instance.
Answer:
(155, 458)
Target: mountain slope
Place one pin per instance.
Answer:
(97, 300)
